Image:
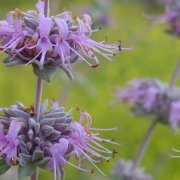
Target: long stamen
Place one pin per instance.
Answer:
(107, 129)
(176, 150)
(88, 158)
(100, 150)
(79, 168)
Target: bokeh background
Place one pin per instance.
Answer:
(154, 54)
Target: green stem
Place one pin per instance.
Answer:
(38, 97)
(144, 145)
(35, 175)
(174, 76)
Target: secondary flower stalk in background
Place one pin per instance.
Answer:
(153, 99)
(156, 101)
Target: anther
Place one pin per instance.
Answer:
(94, 66)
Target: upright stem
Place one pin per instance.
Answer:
(39, 80)
(39, 86)
(144, 145)
(38, 97)
(174, 76)
(46, 7)
(34, 176)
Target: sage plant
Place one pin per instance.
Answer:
(51, 42)
(38, 136)
(156, 101)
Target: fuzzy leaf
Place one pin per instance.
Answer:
(37, 155)
(12, 62)
(46, 130)
(3, 167)
(46, 73)
(43, 162)
(16, 113)
(68, 72)
(139, 111)
(27, 170)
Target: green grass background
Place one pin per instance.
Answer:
(154, 54)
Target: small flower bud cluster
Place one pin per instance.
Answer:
(153, 99)
(173, 16)
(49, 142)
(123, 170)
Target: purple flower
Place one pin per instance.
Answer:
(58, 151)
(40, 7)
(174, 116)
(62, 47)
(83, 43)
(3, 140)
(44, 44)
(9, 142)
(150, 98)
(140, 93)
(58, 160)
(86, 143)
(133, 94)
(11, 34)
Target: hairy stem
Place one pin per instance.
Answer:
(38, 97)
(39, 80)
(35, 175)
(144, 145)
(39, 86)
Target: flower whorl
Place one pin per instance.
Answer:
(50, 141)
(153, 99)
(51, 42)
(36, 137)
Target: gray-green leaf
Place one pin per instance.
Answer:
(26, 170)
(3, 167)
(46, 73)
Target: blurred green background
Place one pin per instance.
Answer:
(154, 54)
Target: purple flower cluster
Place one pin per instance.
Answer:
(173, 16)
(49, 142)
(58, 41)
(152, 98)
